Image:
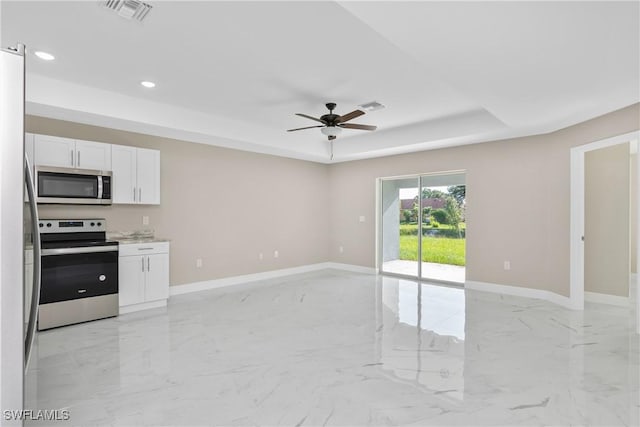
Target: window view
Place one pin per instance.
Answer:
(436, 212)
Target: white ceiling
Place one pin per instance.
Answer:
(234, 73)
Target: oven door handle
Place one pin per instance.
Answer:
(82, 250)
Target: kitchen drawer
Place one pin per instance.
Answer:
(132, 249)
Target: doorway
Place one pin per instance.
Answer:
(578, 206)
(422, 227)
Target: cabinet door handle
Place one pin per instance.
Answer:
(78, 159)
(134, 194)
(142, 259)
(140, 194)
(72, 158)
(148, 263)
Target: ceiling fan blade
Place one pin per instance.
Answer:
(308, 127)
(312, 118)
(349, 116)
(356, 126)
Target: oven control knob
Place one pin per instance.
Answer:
(102, 277)
(48, 224)
(41, 225)
(93, 224)
(99, 224)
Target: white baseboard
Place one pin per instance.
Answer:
(520, 292)
(247, 278)
(142, 306)
(352, 267)
(606, 299)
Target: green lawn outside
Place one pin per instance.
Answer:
(441, 250)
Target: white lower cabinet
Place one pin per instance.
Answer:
(143, 276)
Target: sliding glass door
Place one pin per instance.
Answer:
(423, 227)
(400, 243)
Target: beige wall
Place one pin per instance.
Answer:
(606, 247)
(517, 196)
(224, 206)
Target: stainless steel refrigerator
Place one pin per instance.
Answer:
(19, 238)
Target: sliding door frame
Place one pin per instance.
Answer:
(380, 224)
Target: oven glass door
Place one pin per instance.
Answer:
(79, 275)
(68, 185)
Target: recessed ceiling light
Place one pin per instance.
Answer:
(148, 84)
(44, 55)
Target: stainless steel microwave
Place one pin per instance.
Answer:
(72, 186)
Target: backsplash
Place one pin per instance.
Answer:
(120, 218)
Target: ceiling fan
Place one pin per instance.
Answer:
(332, 124)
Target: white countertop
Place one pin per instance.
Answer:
(131, 241)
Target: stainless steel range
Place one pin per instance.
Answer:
(79, 272)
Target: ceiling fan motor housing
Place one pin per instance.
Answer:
(330, 119)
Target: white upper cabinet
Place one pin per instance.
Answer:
(148, 176)
(93, 155)
(136, 171)
(70, 153)
(54, 151)
(123, 162)
(136, 175)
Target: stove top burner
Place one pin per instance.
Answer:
(70, 233)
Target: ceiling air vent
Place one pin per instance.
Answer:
(130, 9)
(371, 106)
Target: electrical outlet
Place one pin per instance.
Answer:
(507, 265)
(276, 254)
(145, 220)
(260, 256)
(199, 262)
(362, 218)
(341, 249)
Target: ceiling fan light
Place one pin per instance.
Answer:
(331, 130)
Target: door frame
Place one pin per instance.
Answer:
(379, 223)
(577, 213)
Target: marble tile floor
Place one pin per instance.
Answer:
(341, 348)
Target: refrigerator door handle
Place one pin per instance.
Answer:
(35, 293)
